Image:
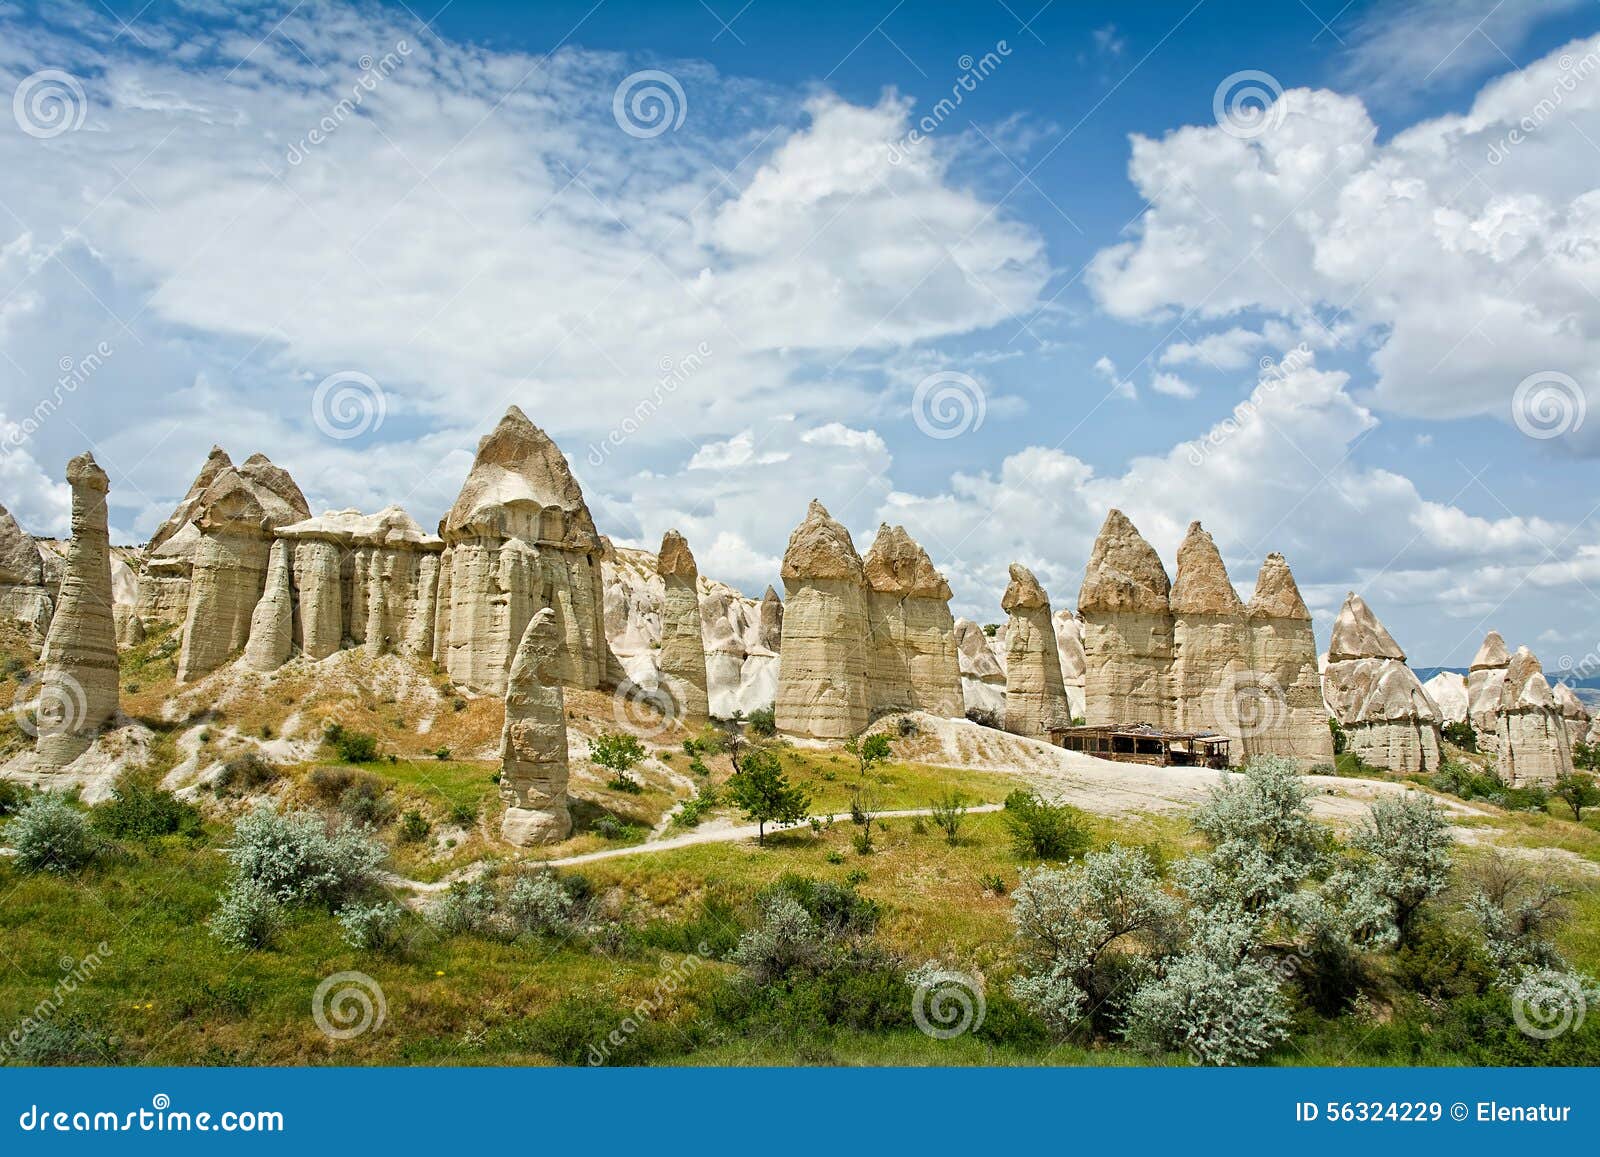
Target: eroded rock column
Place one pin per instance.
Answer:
(533, 743)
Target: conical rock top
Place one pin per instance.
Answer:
(674, 559)
(820, 548)
(1357, 634)
(1124, 572)
(897, 564)
(1493, 655)
(1024, 593)
(1202, 586)
(518, 473)
(1277, 595)
(216, 462)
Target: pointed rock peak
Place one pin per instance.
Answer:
(1357, 634)
(770, 595)
(1277, 595)
(674, 558)
(1571, 706)
(820, 548)
(216, 462)
(517, 474)
(275, 480)
(1024, 593)
(84, 472)
(897, 564)
(20, 564)
(1493, 654)
(1525, 686)
(1124, 572)
(1202, 586)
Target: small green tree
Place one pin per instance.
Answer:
(764, 793)
(763, 723)
(869, 750)
(1586, 757)
(1578, 791)
(1045, 831)
(618, 752)
(949, 813)
(1341, 742)
(1406, 843)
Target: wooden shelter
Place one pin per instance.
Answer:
(1141, 743)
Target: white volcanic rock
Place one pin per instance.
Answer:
(682, 657)
(24, 598)
(1292, 719)
(519, 538)
(1530, 734)
(1486, 681)
(1449, 690)
(235, 517)
(1388, 717)
(1574, 714)
(822, 667)
(1212, 683)
(169, 555)
(533, 742)
(78, 664)
(1074, 663)
(1127, 629)
(913, 664)
(272, 622)
(1036, 697)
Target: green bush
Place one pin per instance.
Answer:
(67, 1040)
(464, 815)
(248, 916)
(12, 797)
(365, 802)
(762, 723)
(242, 775)
(352, 746)
(371, 927)
(1461, 734)
(1044, 831)
(140, 813)
(50, 835)
(594, 1031)
(1443, 960)
(300, 859)
(414, 826)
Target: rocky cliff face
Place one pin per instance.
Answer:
(682, 657)
(983, 669)
(1127, 629)
(1530, 734)
(822, 668)
(533, 743)
(1036, 696)
(913, 664)
(1448, 689)
(1486, 681)
(169, 555)
(520, 538)
(1212, 685)
(1389, 719)
(1291, 719)
(234, 518)
(78, 664)
(1574, 715)
(24, 598)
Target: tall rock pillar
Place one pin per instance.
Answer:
(1036, 696)
(682, 657)
(822, 668)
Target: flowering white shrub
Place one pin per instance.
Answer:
(466, 906)
(300, 860)
(1405, 847)
(539, 905)
(370, 926)
(1083, 929)
(787, 938)
(50, 835)
(248, 915)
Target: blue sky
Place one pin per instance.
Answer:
(1081, 245)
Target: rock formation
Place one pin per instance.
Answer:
(520, 538)
(1486, 680)
(1574, 715)
(913, 664)
(533, 742)
(1448, 689)
(1531, 744)
(1292, 719)
(822, 668)
(1127, 629)
(1036, 697)
(78, 664)
(983, 669)
(1069, 644)
(682, 657)
(272, 622)
(235, 517)
(24, 598)
(1212, 684)
(1388, 718)
(169, 556)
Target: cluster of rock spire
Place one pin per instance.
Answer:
(518, 595)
